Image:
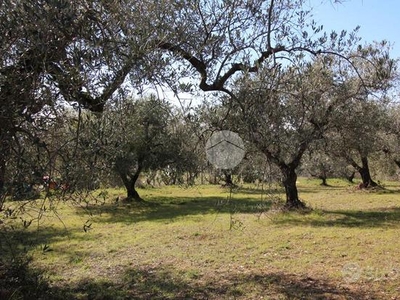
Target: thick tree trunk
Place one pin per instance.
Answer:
(132, 194)
(365, 174)
(129, 181)
(323, 178)
(289, 182)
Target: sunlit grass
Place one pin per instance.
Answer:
(208, 242)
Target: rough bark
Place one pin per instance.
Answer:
(132, 194)
(129, 181)
(364, 172)
(289, 182)
(289, 176)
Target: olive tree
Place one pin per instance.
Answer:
(283, 110)
(359, 130)
(220, 39)
(135, 136)
(358, 137)
(54, 51)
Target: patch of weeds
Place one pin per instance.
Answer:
(235, 292)
(76, 258)
(192, 274)
(235, 223)
(157, 284)
(284, 246)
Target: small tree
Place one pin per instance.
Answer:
(188, 155)
(357, 136)
(320, 163)
(136, 137)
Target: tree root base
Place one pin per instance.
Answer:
(297, 206)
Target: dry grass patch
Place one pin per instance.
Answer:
(206, 242)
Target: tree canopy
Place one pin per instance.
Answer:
(281, 74)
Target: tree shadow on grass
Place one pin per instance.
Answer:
(164, 282)
(169, 208)
(278, 191)
(386, 217)
(16, 242)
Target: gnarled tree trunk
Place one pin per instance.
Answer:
(289, 182)
(323, 176)
(364, 172)
(132, 193)
(129, 181)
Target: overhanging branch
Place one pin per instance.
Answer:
(201, 68)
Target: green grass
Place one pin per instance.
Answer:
(203, 243)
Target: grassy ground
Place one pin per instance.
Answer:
(204, 242)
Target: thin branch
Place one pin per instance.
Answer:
(270, 11)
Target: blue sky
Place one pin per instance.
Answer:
(379, 19)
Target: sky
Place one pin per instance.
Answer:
(378, 19)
